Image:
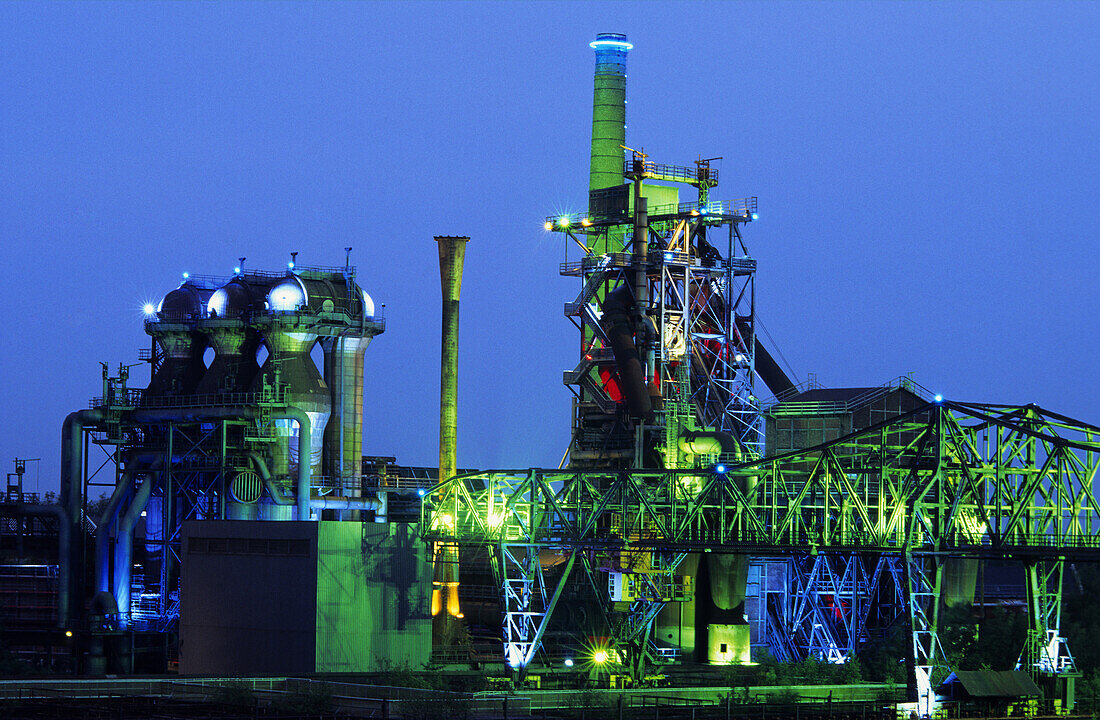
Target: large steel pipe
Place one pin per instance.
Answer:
(617, 325)
(72, 485)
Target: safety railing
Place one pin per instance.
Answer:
(782, 404)
(136, 397)
(681, 173)
(742, 209)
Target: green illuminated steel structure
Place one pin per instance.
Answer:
(947, 481)
(666, 461)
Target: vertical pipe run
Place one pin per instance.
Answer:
(452, 254)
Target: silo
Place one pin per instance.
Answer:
(289, 332)
(235, 343)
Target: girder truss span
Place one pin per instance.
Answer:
(955, 479)
(973, 480)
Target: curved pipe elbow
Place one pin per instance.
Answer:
(305, 430)
(709, 442)
(278, 495)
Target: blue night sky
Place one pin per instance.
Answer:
(927, 175)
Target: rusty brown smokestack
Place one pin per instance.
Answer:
(452, 253)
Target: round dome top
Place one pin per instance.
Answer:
(183, 303)
(230, 301)
(286, 296)
(368, 304)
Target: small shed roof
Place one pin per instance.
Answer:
(996, 683)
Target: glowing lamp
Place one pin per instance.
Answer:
(586, 222)
(68, 633)
(755, 216)
(290, 265)
(568, 662)
(186, 275)
(720, 469)
(149, 309)
(237, 270)
(563, 221)
(421, 492)
(620, 44)
(548, 225)
(600, 657)
(938, 398)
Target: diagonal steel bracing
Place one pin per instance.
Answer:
(958, 479)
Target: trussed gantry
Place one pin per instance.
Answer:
(946, 481)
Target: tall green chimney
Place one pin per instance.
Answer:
(608, 111)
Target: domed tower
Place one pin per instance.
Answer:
(234, 341)
(173, 328)
(290, 331)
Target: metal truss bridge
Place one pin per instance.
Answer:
(946, 482)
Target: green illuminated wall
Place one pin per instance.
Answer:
(294, 597)
(373, 588)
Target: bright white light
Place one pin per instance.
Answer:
(149, 309)
(186, 275)
(563, 221)
(719, 469)
(216, 304)
(568, 662)
(548, 225)
(237, 270)
(755, 216)
(421, 492)
(290, 265)
(287, 296)
(515, 656)
(938, 398)
(596, 45)
(739, 358)
(600, 657)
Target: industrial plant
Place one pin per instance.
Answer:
(708, 511)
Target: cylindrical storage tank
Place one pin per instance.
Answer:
(173, 328)
(724, 580)
(235, 343)
(344, 376)
(289, 339)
